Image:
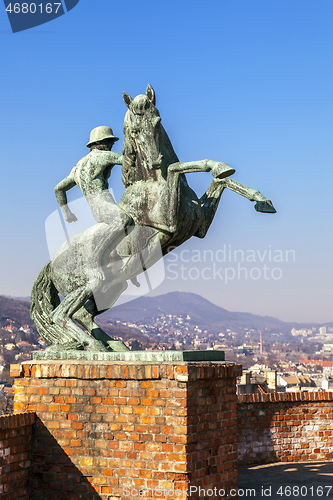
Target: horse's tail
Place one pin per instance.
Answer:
(44, 299)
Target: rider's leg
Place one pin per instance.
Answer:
(106, 236)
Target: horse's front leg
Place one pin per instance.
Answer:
(262, 205)
(219, 170)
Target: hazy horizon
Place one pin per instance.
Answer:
(121, 302)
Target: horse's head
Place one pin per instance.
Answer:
(142, 148)
(142, 128)
(147, 149)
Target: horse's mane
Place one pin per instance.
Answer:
(129, 169)
(129, 155)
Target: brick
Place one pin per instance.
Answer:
(133, 401)
(146, 401)
(53, 407)
(96, 400)
(15, 370)
(77, 425)
(108, 401)
(59, 399)
(72, 416)
(147, 384)
(139, 409)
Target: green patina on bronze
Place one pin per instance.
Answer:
(130, 356)
(158, 212)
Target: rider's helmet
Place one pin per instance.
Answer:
(101, 133)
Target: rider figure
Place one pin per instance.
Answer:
(91, 174)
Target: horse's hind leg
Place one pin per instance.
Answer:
(262, 205)
(62, 315)
(209, 203)
(210, 200)
(85, 317)
(86, 314)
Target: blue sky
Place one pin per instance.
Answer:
(248, 83)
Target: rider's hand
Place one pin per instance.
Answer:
(70, 217)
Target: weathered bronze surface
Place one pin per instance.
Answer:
(158, 211)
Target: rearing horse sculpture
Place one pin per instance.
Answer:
(166, 213)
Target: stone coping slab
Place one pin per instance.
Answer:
(183, 371)
(147, 356)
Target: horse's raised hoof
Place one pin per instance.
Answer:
(265, 207)
(117, 345)
(222, 170)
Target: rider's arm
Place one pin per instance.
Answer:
(60, 192)
(116, 158)
(113, 159)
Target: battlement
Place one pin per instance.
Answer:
(97, 428)
(105, 426)
(285, 427)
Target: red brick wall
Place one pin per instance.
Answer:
(15, 455)
(103, 427)
(212, 429)
(285, 427)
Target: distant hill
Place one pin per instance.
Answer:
(201, 311)
(142, 309)
(27, 298)
(18, 310)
